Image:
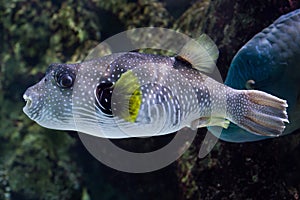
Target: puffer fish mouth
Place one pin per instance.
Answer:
(28, 101)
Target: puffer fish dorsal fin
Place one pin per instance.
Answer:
(201, 53)
(101, 50)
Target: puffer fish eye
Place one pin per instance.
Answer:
(65, 79)
(103, 97)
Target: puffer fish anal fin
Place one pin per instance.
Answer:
(127, 97)
(209, 121)
(201, 54)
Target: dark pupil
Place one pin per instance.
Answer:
(65, 80)
(104, 93)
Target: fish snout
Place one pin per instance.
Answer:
(28, 100)
(32, 99)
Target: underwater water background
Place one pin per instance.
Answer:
(37, 163)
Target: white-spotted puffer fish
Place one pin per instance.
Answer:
(138, 95)
(269, 62)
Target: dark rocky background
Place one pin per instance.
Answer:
(36, 163)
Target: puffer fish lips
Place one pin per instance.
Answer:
(33, 107)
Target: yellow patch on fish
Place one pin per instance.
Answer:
(129, 95)
(134, 105)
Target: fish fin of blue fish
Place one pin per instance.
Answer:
(209, 121)
(127, 97)
(235, 134)
(294, 116)
(201, 53)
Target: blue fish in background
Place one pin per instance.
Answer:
(269, 62)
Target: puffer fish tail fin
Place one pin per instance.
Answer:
(201, 53)
(258, 112)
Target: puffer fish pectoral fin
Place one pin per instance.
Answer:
(209, 121)
(201, 53)
(127, 97)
